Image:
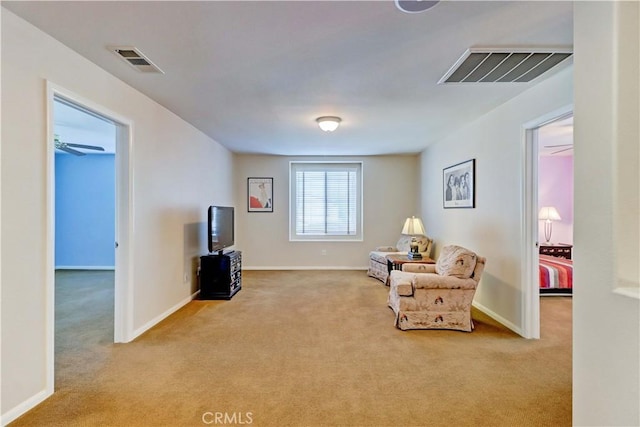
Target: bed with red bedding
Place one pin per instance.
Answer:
(556, 275)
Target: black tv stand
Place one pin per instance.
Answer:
(220, 275)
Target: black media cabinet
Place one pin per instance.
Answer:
(220, 275)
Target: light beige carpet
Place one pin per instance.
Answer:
(304, 348)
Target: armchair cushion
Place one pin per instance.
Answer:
(419, 268)
(456, 261)
(380, 257)
(435, 281)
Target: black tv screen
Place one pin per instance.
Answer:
(220, 228)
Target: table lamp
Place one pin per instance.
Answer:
(548, 214)
(413, 227)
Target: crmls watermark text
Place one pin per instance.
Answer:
(226, 418)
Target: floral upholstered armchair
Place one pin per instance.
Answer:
(378, 261)
(437, 296)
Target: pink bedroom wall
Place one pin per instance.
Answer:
(555, 188)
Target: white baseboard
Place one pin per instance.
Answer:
(153, 322)
(85, 267)
(498, 318)
(13, 414)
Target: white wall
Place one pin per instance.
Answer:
(390, 187)
(606, 326)
(493, 228)
(555, 188)
(177, 171)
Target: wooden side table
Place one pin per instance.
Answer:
(395, 261)
(560, 250)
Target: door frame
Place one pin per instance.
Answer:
(529, 220)
(123, 293)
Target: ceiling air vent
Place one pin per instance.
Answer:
(504, 65)
(136, 59)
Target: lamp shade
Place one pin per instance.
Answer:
(549, 213)
(413, 226)
(328, 123)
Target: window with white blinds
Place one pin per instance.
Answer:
(326, 201)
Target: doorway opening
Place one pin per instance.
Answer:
(555, 226)
(537, 141)
(85, 150)
(88, 226)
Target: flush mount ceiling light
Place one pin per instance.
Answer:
(328, 123)
(415, 6)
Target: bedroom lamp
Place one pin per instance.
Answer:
(413, 227)
(548, 214)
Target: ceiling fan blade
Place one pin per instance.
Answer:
(564, 149)
(71, 151)
(415, 6)
(86, 147)
(559, 145)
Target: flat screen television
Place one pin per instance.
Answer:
(220, 228)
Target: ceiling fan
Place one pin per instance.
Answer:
(415, 6)
(70, 148)
(569, 147)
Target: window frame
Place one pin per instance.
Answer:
(358, 236)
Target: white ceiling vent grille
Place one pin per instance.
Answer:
(136, 59)
(504, 65)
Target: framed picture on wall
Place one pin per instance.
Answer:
(458, 182)
(260, 194)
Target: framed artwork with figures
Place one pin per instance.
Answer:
(260, 194)
(458, 185)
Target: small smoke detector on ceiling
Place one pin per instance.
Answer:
(504, 65)
(136, 59)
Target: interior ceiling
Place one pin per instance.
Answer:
(254, 76)
(556, 138)
(73, 126)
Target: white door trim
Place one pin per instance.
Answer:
(123, 294)
(529, 221)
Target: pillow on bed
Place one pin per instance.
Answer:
(456, 261)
